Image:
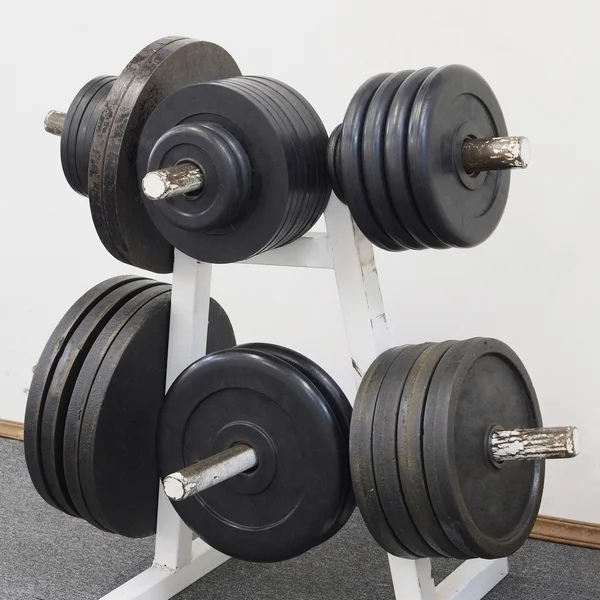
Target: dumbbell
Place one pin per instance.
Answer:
(262, 432)
(422, 158)
(221, 170)
(447, 450)
(100, 135)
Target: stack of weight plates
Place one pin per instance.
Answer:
(94, 400)
(423, 476)
(396, 159)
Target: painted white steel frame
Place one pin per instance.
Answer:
(179, 561)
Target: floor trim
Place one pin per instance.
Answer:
(565, 531)
(551, 529)
(11, 429)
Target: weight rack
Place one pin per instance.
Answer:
(180, 561)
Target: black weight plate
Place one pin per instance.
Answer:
(373, 161)
(351, 175)
(284, 506)
(114, 471)
(59, 391)
(455, 100)
(338, 402)
(385, 460)
(274, 176)
(320, 186)
(478, 384)
(81, 108)
(119, 215)
(409, 451)
(290, 114)
(403, 194)
(87, 129)
(84, 378)
(296, 156)
(361, 456)
(44, 371)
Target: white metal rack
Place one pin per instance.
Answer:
(179, 561)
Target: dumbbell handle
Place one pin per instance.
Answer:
(505, 445)
(208, 472)
(532, 444)
(54, 122)
(173, 181)
(495, 154)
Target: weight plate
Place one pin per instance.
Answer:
(373, 163)
(339, 404)
(58, 394)
(361, 456)
(288, 502)
(275, 91)
(385, 461)
(44, 371)
(403, 192)
(351, 176)
(82, 380)
(74, 157)
(270, 152)
(296, 156)
(119, 215)
(409, 453)
(454, 103)
(480, 383)
(319, 185)
(122, 384)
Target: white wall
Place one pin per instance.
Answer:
(534, 284)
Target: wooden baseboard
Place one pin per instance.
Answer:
(11, 429)
(551, 529)
(565, 531)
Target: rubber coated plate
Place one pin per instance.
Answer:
(274, 142)
(452, 104)
(478, 384)
(288, 502)
(84, 378)
(157, 71)
(409, 453)
(361, 457)
(338, 402)
(315, 140)
(294, 153)
(58, 394)
(351, 176)
(373, 161)
(385, 461)
(116, 454)
(403, 194)
(44, 371)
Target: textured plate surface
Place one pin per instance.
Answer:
(361, 456)
(155, 72)
(409, 452)
(122, 386)
(44, 371)
(83, 379)
(490, 511)
(385, 458)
